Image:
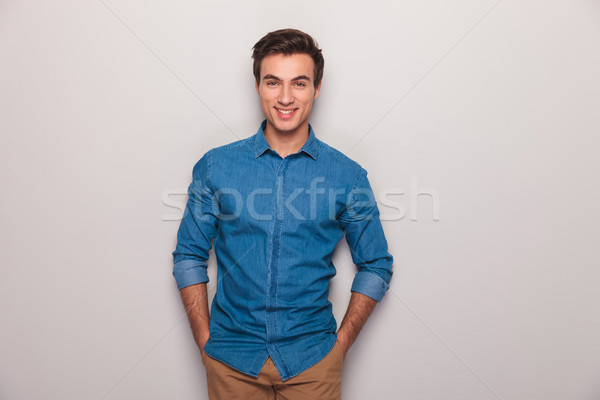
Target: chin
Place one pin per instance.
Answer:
(285, 126)
(289, 128)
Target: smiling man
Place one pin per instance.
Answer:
(276, 204)
(286, 98)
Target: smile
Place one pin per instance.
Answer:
(285, 112)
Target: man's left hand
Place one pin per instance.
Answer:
(343, 343)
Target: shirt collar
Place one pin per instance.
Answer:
(261, 145)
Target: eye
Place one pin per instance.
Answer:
(300, 84)
(271, 83)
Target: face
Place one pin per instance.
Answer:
(287, 91)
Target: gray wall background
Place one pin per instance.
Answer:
(492, 106)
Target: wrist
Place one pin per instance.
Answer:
(342, 340)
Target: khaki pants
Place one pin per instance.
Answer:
(322, 381)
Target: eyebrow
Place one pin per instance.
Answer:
(298, 78)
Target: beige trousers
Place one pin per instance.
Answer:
(322, 381)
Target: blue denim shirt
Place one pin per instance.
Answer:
(275, 223)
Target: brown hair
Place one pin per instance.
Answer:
(287, 41)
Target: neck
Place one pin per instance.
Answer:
(286, 142)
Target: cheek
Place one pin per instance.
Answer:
(308, 101)
(267, 98)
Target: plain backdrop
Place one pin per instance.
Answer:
(489, 108)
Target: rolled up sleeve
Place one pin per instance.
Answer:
(197, 228)
(366, 240)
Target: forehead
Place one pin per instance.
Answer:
(286, 66)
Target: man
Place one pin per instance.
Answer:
(276, 204)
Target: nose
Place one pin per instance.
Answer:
(286, 96)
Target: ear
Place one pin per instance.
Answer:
(256, 86)
(317, 91)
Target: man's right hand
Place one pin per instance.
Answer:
(195, 301)
(202, 340)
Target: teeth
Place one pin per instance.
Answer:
(284, 112)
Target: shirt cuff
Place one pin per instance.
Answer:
(369, 284)
(189, 272)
